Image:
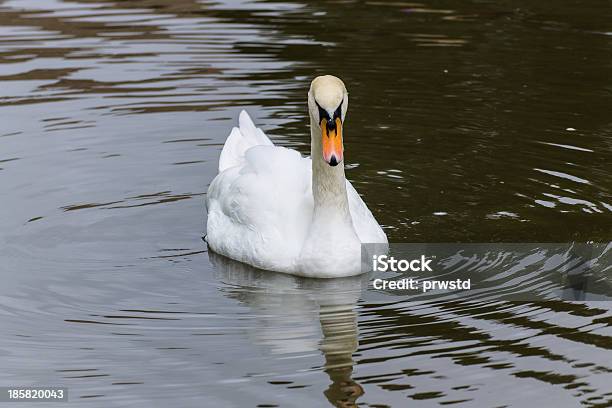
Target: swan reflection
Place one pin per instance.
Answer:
(295, 314)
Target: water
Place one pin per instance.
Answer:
(468, 122)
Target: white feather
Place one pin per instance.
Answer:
(240, 140)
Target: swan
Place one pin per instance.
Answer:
(273, 209)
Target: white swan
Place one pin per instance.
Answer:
(274, 209)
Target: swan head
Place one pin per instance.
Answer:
(327, 104)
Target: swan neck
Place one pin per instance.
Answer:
(328, 182)
(331, 238)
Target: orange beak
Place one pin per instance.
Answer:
(333, 151)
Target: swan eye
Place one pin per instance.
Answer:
(322, 113)
(338, 112)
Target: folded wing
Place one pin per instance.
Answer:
(241, 139)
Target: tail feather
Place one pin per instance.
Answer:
(240, 140)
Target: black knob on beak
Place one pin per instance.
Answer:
(331, 126)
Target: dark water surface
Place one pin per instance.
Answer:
(468, 122)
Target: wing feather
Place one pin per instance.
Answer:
(240, 140)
